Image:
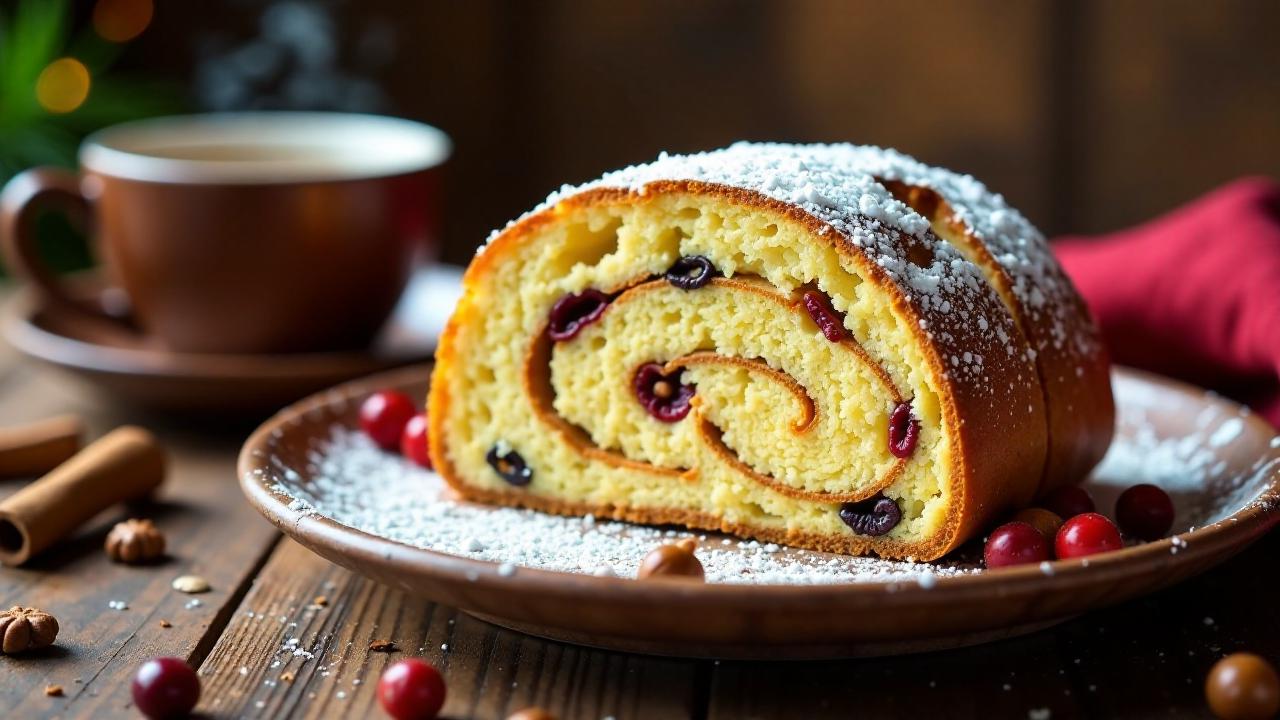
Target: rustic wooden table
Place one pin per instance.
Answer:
(1143, 659)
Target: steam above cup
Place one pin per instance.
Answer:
(267, 232)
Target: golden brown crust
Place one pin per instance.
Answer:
(998, 448)
(1076, 383)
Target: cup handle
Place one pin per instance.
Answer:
(22, 199)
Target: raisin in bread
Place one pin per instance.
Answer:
(827, 346)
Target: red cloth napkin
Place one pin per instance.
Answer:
(1194, 294)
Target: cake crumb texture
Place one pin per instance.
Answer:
(950, 302)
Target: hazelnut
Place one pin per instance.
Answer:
(676, 561)
(1043, 520)
(135, 542)
(1243, 686)
(24, 629)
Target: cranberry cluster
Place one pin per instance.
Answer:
(1144, 512)
(392, 421)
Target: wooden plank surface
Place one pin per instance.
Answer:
(490, 672)
(211, 531)
(1143, 659)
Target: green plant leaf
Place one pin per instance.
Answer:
(28, 42)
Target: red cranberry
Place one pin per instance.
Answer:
(1145, 512)
(413, 443)
(1086, 534)
(165, 687)
(411, 690)
(1067, 502)
(691, 272)
(826, 318)
(383, 416)
(874, 516)
(573, 312)
(662, 394)
(509, 465)
(904, 431)
(1015, 543)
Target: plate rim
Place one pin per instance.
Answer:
(321, 533)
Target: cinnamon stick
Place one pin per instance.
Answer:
(126, 464)
(38, 447)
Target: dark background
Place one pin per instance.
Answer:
(1089, 115)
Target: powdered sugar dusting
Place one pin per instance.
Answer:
(1226, 432)
(1188, 460)
(347, 479)
(826, 182)
(840, 185)
(1044, 292)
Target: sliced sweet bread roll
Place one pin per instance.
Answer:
(832, 347)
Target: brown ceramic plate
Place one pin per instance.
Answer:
(1220, 463)
(127, 367)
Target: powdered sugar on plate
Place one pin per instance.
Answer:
(346, 478)
(358, 485)
(1189, 464)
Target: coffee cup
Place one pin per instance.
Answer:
(262, 232)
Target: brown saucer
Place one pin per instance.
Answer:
(128, 368)
(1219, 462)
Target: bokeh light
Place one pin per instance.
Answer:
(63, 85)
(121, 20)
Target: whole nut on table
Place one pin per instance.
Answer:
(135, 542)
(23, 629)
